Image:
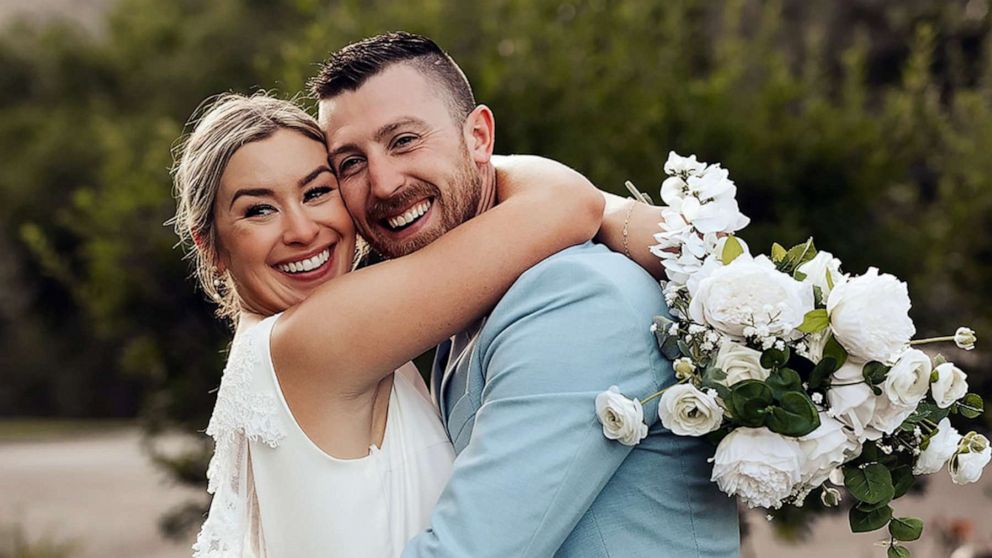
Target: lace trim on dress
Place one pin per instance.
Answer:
(232, 527)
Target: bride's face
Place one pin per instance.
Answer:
(282, 228)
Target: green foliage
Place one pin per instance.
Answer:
(867, 130)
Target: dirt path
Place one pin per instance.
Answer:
(102, 492)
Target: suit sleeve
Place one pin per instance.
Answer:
(537, 457)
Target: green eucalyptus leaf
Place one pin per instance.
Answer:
(865, 521)
(902, 480)
(871, 484)
(834, 349)
(784, 380)
(817, 296)
(671, 348)
(971, 406)
(906, 528)
(896, 551)
(820, 376)
(795, 415)
(748, 400)
(815, 321)
(731, 249)
(874, 373)
(773, 358)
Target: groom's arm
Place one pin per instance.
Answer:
(538, 458)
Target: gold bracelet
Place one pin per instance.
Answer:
(626, 225)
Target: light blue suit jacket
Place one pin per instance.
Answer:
(534, 476)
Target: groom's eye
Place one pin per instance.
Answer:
(404, 140)
(348, 165)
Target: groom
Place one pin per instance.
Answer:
(534, 477)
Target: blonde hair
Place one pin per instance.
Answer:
(221, 126)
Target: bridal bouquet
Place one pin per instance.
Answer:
(803, 376)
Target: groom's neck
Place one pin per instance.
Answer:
(487, 199)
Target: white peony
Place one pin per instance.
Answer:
(622, 418)
(687, 411)
(951, 384)
(817, 269)
(740, 363)
(909, 379)
(750, 292)
(759, 466)
(973, 454)
(869, 316)
(940, 448)
(826, 448)
(683, 165)
(853, 404)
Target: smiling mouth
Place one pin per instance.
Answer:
(409, 217)
(307, 264)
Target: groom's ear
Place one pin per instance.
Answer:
(480, 134)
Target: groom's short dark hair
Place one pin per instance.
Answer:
(350, 67)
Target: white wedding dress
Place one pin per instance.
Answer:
(276, 494)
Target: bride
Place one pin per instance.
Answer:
(326, 440)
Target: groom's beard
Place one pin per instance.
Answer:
(454, 205)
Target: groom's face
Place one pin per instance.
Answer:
(400, 157)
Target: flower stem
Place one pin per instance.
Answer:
(663, 390)
(931, 340)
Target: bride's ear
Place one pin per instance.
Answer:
(480, 134)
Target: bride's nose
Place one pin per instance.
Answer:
(299, 227)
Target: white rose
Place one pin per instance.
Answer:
(759, 466)
(909, 379)
(750, 292)
(853, 405)
(939, 450)
(826, 448)
(888, 416)
(869, 316)
(622, 418)
(951, 384)
(683, 165)
(817, 269)
(687, 411)
(974, 453)
(740, 363)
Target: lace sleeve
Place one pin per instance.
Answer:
(241, 415)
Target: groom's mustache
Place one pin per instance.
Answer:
(379, 209)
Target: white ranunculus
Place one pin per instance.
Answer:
(974, 453)
(853, 405)
(940, 448)
(869, 316)
(759, 466)
(951, 384)
(965, 338)
(687, 411)
(748, 292)
(622, 418)
(740, 363)
(683, 165)
(826, 448)
(888, 417)
(817, 269)
(909, 379)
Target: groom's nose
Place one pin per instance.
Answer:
(385, 177)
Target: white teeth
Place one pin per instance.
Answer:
(308, 264)
(410, 215)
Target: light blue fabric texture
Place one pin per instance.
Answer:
(534, 476)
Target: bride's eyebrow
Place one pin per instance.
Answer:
(314, 174)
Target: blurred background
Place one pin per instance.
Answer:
(864, 123)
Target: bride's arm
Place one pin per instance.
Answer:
(641, 221)
(357, 328)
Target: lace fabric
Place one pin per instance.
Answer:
(241, 415)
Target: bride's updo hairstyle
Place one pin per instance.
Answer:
(221, 126)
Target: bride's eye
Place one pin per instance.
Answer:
(314, 193)
(259, 210)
